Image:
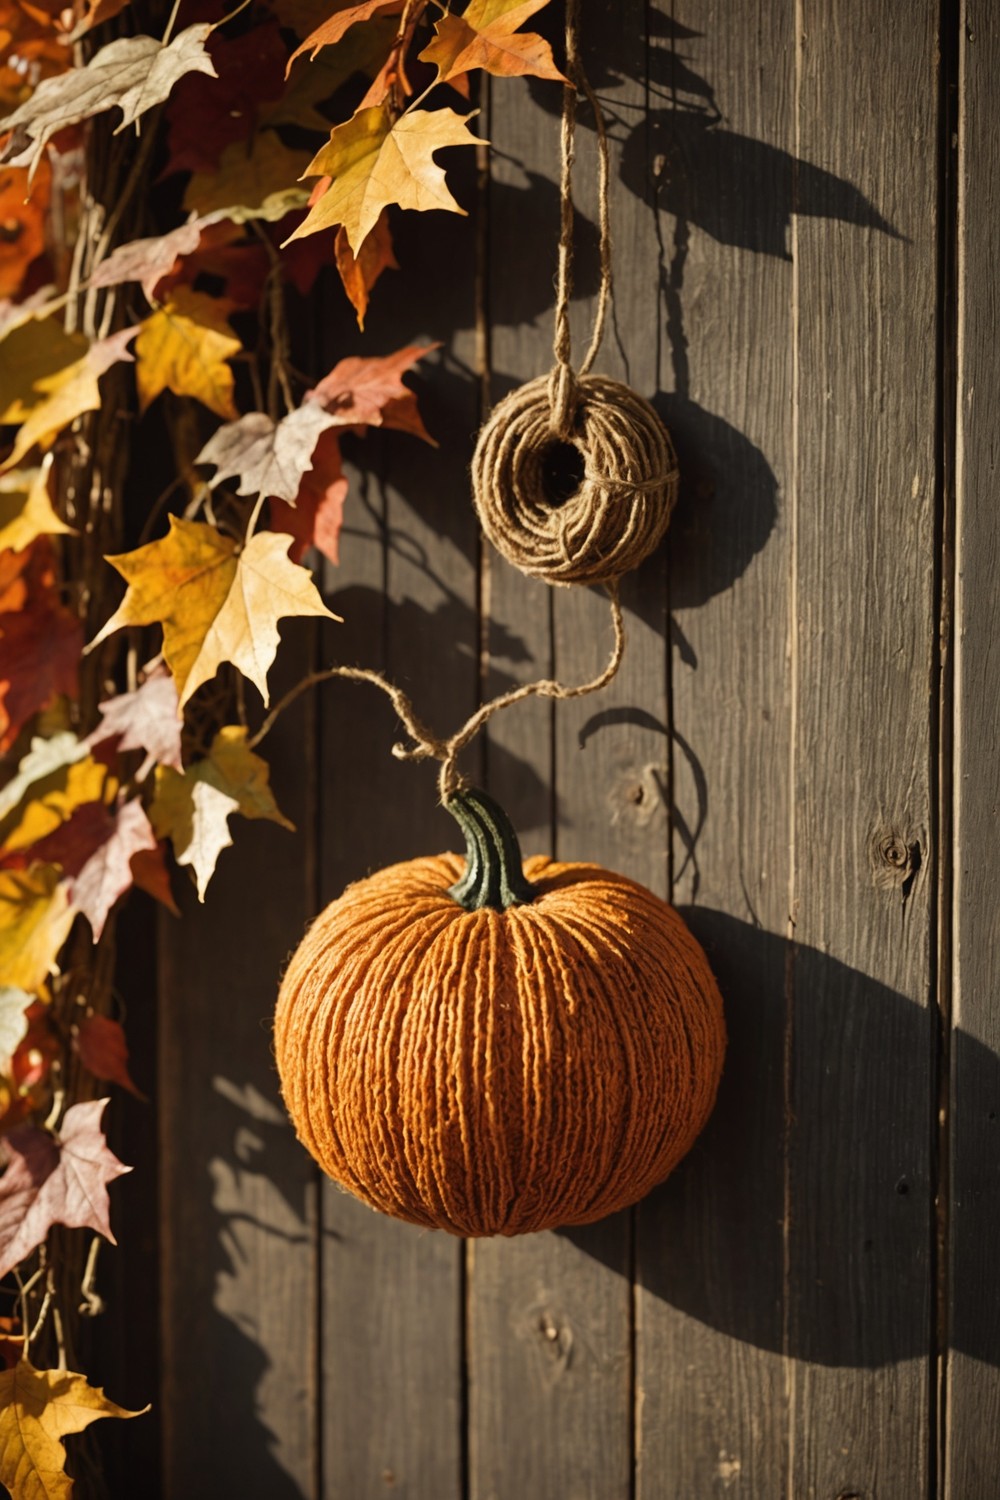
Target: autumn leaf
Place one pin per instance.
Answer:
(361, 392)
(107, 873)
(35, 918)
(150, 874)
(37, 1409)
(193, 808)
(486, 36)
(72, 843)
(148, 261)
(11, 1342)
(316, 517)
(268, 458)
(31, 350)
(224, 253)
(362, 51)
(215, 602)
(259, 183)
(54, 778)
(40, 647)
(145, 719)
(344, 17)
(26, 510)
(101, 1046)
(66, 395)
(132, 74)
(208, 113)
(374, 162)
(183, 347)
(93, 13)
(22, 225)
(360, 272)
(14, 1003)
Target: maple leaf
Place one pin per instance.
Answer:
(71, 844)
(101, 1046)
(193, 808)
(23, 225)
(93, 13)
(26, 510)
(183, 347)
(40, 648)
(215, 602)
(268, 458)
(108, 873)
(360, 272)
(344, 17)
(145, 719)
(55, 777)
(224, 253)
(148, 261)
(486, 36)
(30, 350)
(69, 393)
(316, 517)
(35, 918)
(14, 1003)
(374, 162)
(132, 74)
(37, 1409)
(362, 51)
(259, 183)
(361, 392)
(56, 1179)
(206, 114)
(150, 874)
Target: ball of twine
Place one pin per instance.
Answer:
(621, 509)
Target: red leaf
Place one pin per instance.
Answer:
(56, 1180)
(204, 118)
(369, 392)
(40, 651)
(316, 517)
(73, 842)
(38, 1049)
(223, 252)
(101, 1046)
(145, 719)
(108, 872)
(150, 874)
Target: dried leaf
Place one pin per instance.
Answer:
(316, 517)
(40, 647)
(66, 395)
(374, 162)
(26, 510)
(11, 1342)
(362, 51)
(330, 31)
(71, 844)
(35, 918)
(30, 351)
(101, 1047)
(150, 874)
(107, 873)
(54, 778)
(267, 458)
(148, 261)
(486, 36)
(215, 602)
(362, 392)
(193, 808)
(92, 13)
(183, 347)
(261, 183)
(14, 1003)
(134, 74)
(206, 114)
(22, 224)
(37, 1409)
(360, 272)
(146, 719)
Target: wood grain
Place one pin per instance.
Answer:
(973, 1315)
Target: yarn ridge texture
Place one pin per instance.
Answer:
(498, 1072)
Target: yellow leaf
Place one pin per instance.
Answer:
(67, 394)
(26, 510)
(54, 778)
(374, 162)
(215, 602)
(37, 1409)
(30, 351)
(193, 807)
(261, 183)
(35, 918)
(183, 347)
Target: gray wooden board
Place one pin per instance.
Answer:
(860, 1047)
(238, 1201)
(719, 157)
(406, 587)
(973, 1380)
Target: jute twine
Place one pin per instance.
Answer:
(622, 507)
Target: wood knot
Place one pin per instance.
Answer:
(895, 859)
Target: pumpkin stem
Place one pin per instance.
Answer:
(494, 874)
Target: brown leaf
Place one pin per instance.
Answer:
(132, 74)
(486, 36)
(146, 719)
(40, 649)
(107, 873)
(259, 181)
(316, 517)
(101, 1046)
(11, 1342)
(37, 1409)
(374, 161)
(183, 347)
(344, 17)
(267, 458)
(360, 272)
(150, 874)
(362, 392)
(56, 1179)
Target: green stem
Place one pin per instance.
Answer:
(493, 875)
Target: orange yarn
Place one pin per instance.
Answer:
(498, 1072)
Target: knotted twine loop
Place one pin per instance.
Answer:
(622, 507)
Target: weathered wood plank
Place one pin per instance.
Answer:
(973, 1317)
(860, 1058)
(392, 1295)
(238, 1194)
(720, 148)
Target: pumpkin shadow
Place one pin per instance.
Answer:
(840, 1273)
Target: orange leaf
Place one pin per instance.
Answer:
(344, 17)
(101, 1046)
(360, 272)
(369, 392)
(486, 37)
(22, 224)
(316, 517)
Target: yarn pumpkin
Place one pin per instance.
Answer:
(492, 1048)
